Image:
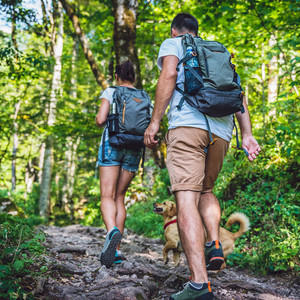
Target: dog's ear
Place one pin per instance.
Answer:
(173, 210)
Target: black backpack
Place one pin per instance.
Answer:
(129, 117)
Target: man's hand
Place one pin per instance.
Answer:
(251, 146)
(149, 135)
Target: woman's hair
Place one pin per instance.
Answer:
(185, 22)
(125, 71)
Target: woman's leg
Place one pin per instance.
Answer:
(108, 185)
(122, 186)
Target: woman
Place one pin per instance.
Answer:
(117, 168)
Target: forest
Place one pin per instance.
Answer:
(56, 58)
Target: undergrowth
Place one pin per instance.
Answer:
(20, 246)
(266, 192)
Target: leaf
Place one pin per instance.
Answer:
(18, 264)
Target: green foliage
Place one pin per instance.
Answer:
(90, 213)
(19, 248)
(270, 202)
(142, 220)
(141, 217)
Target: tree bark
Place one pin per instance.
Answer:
(273, 77)
(70, 155)
(70, 169)
(45, 186)
(125, 12)
(17, 106)
(30, 175)
(15, 146)
(100, 78)
(263, 81)
(41, 162)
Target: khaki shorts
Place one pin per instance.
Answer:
(190, 169)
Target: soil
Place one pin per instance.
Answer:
(75, 272)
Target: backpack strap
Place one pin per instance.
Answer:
(103, 143)
(143, 162)
(184, 60)
(189, 41)
(236, 135)
(238, 147)
(211, 139)
(179, 106)
(195, 74)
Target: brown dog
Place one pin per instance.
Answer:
(169, 212)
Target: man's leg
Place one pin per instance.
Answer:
(209, 206)
(192, 233)
(210, 212)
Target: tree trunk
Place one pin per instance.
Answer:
(30, 175)
(100, 78)
(125, 34)
(263, 82)
(273, 77)
(15, 147)
(44, 200)
(17, 107)
(70, 169)
(41, 162)
(70, 155)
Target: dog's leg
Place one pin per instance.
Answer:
(176, 257)
(166, 250)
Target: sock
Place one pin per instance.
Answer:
(208, 244)
(195, 285)
(119, 252)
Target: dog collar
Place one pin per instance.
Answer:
(169, 223)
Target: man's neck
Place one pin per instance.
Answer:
(182, 34)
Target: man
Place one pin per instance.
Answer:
(192, 172)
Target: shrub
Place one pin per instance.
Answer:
(19, 246)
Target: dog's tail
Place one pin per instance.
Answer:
(243, 220)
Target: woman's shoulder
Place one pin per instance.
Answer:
(108, 93)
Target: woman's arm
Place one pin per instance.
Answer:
(102, 113)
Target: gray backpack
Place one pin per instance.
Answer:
(211, 84)
(129, 117)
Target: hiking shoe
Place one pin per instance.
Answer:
(191, 293)
(107, 256)
(214, 257)
(119, 258)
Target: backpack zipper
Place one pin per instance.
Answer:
(206, 65)
(124, 108)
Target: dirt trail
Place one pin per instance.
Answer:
(75, 271)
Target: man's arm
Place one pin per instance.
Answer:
(164, 91)
(249, 143)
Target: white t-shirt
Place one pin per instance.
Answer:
(189, 116)
(107, 94)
